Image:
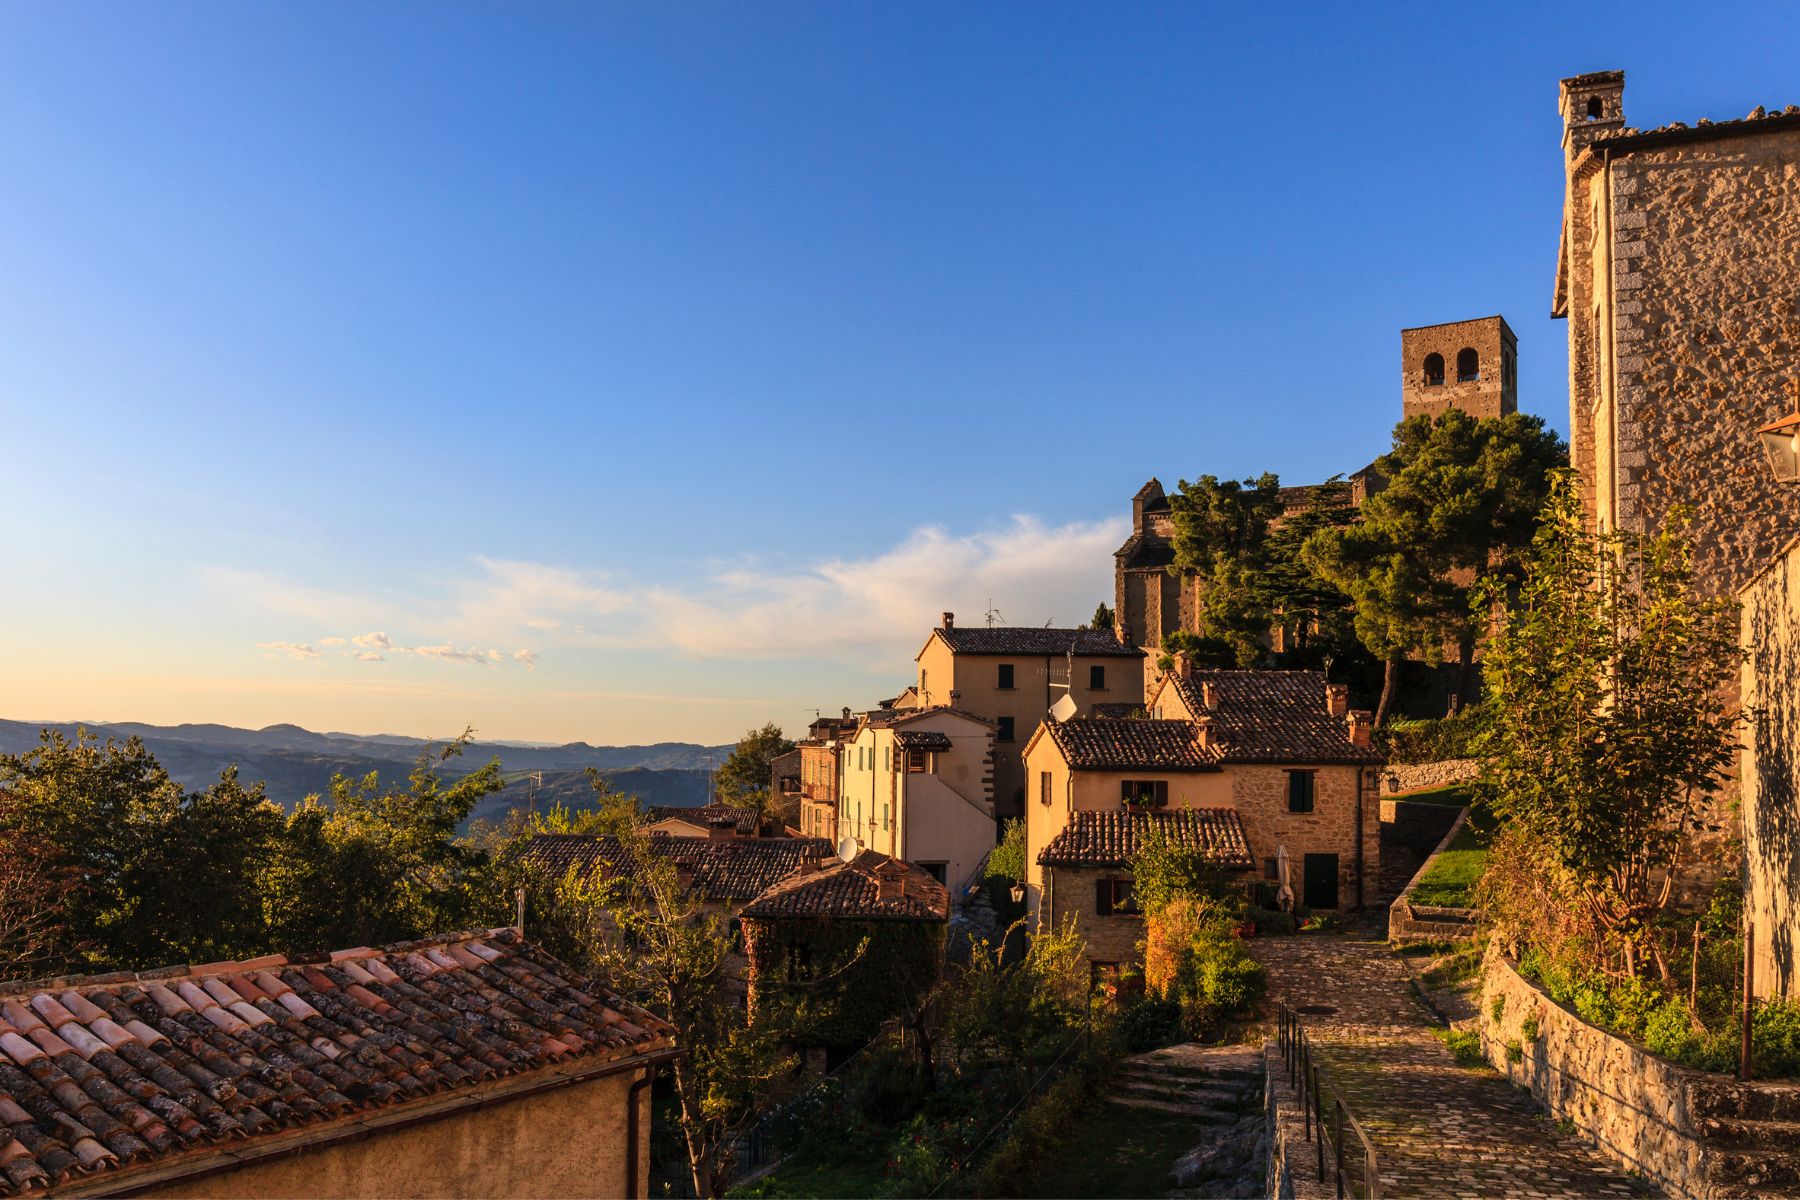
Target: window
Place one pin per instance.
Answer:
(1595, 109)
(1434, 370)
(1097, 678)
(1006, 677)
(799, 962)
(1300, 791)
(1468, 365)
(887, 816)
(1006, 730)
(887, 758)
(935, 870)
(915, 761)
(1271, 868)
(1114, 898)
(1044, 787)
(1153, 793)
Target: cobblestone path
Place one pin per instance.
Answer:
(1440, 1130)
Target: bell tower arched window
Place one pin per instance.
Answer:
(1434, 370)
(1596, 108)
(1468, 365)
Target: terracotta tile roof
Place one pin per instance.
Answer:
(744, 819)
(1029, 640)
(1119, 711)
(1108, 744)
(870, 887)
(1110, 838)
(1273, 716)
(109, 1074)
(723, 868)
(922, 739)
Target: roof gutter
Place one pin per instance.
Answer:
(235, 1156)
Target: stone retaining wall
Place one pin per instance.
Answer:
(1413, 777)
(1409, 922)
(1690, 1133)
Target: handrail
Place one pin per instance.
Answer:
(1303, 1075)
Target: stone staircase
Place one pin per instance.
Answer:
(1751, 1137)
(1220, 1089)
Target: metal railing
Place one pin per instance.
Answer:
(1303, 1076)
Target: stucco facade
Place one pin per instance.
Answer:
(1015, 691)
(930, 807)
(505, 1141)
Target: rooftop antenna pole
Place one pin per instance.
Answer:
(533, 782)
(994, 614)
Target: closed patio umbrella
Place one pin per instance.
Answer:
(1284, 893)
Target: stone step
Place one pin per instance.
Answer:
(1232, 1078)
(1757, 1101)
(1203, 1113)
(1729, 1134)
(1758, 1172)
(1181, 1093)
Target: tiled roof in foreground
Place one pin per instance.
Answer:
(1112, 837)
(1273, 716)
(870, 887)
(723, 868)
(159, 1070)
(1110, 744)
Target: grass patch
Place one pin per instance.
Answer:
(1456, 795)
(1450, 883)
(1119, 1151)
(1455, 969)
(1464, 1044)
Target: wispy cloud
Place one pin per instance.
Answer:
(291, 649)
(871, 607)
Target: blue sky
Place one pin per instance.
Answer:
(633, 373)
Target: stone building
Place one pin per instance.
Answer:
(1679, 274)
(1011, 675)
(371, 1072)
(821, 752)
(1467, 365)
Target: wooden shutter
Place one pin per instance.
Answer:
(1162, 791)
(1103, 897)
(1125, 791)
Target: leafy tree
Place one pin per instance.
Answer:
(1315, 613)
(1102, 618)
(34, 896)
(743, 778)
(1221, 530)
(1607, 728)
(653, 939)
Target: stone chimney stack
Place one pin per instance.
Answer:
(1209, 695)
(1203, 732)
(1337, 699)
(1122, 630)
(1184, 665)
(1592, 106)
(846, 712)
(890, 882)
(956, 698)
(1362, 728)
(949, 620)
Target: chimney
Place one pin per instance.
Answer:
(1362, 728)
(890, 882)
(1337, 699)
(1203, 732)
(1209, 695)
(1123, 630)
(1184, 665)
(846, 713)
(955, 698)
(949, 620)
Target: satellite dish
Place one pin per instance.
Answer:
(1063, 709)
(847, 848)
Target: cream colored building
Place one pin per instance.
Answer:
(917, 786)
(1011, 675)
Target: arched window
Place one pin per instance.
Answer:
(1434, 370)
(1596, 109)
(1468, 365)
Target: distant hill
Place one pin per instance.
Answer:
(294, 763)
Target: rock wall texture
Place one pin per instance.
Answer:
(1414, 777)
(1769, 772)
(1689, 1133)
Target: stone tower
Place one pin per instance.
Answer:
(1470, 365)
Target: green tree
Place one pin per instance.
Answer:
(1607, 731)
(1221, 530)
(1102, 618)
(1315, 614)
(743, 778)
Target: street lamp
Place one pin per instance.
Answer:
(1781, 442)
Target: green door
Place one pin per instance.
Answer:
(1319, 876)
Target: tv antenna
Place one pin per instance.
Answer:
(533, 781)
(993, 614)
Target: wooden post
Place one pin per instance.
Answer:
(1749, 996)
(519, 900)
(1694, 983)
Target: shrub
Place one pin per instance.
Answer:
(1775, 1038)
(1497, 1006)
(1515, 1053)
(1465, 1046)
(1409, 741)
(1150, 1023)
(1271, 921)
(1529, 1029)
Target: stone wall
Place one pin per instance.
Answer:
(1409, 922)
(1260, 795)
(1414, 777)
(1689, 1133)
(1770, 772)
(1110, 939)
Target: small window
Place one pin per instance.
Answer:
(1595, 108)
(1300, 791)
(1468, 365)
(1148, 793)
(935, 870)
(1005, 733)
(1097, 678)
(1044, 787)
(1006, 677)
(1434, 370)
(1271, 868)
(1114, 898)
(799, 962)
(915, 762)
(887, 758)
(887, 816)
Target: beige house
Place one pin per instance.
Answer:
(917, 785)
(1011, 676)
(1303, 769)
(468, 1065)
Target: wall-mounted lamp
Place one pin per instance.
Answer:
(1781, 442)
